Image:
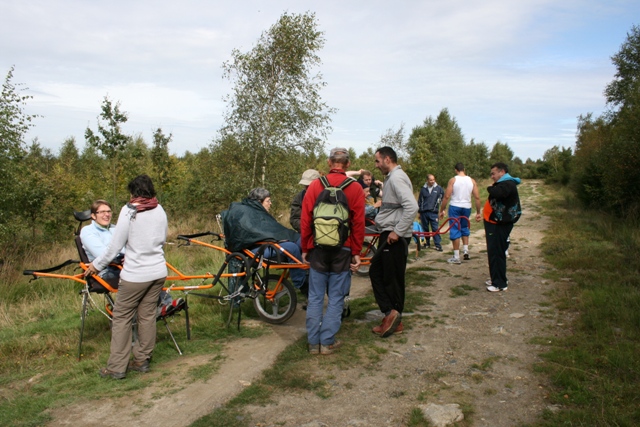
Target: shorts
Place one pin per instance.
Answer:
(461, 229)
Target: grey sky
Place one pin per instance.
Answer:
(518, 72)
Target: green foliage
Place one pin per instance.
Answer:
(110, 140)
(14, 124)
(276, 100)
(434, 148)
(162, 162)
(557, 166)
(608, 147)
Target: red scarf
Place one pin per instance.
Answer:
(142, 204)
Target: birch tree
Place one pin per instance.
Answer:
(275, 101)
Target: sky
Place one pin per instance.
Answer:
(518, 72)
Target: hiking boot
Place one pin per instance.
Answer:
(139, 366)
(439, 248)
(378, 329)
(465, 256)
(329, 349)
(313, 348)
(105, 373)
(454, 260)
(390, 323)
(496, 289)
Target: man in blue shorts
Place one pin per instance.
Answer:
(459, 191)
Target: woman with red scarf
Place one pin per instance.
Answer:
(142, 230)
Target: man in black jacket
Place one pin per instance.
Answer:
(431, 195)
(500, 212)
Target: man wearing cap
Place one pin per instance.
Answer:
(330, 268)
(296, 205)
(395, 222)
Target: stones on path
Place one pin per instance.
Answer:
(442, 415)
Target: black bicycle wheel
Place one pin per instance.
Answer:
(278, 303)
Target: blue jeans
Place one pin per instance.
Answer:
(298, 275)
(322, 329)
(431, 219)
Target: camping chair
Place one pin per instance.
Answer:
(97, 285)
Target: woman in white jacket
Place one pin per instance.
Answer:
(142, 230)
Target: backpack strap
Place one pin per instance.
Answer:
(348, 180)
(325, 182)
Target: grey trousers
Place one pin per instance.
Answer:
(139, 298)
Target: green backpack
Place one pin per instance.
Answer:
(331, 215)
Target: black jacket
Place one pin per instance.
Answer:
(504, 201)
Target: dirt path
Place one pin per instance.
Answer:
(479, 355)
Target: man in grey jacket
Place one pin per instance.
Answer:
(395, 222)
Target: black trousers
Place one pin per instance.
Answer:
(497, 236)
(387, 273)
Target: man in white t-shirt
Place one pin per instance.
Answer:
(459, 191)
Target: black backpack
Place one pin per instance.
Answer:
(331, 215)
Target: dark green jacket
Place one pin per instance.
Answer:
(247, 222)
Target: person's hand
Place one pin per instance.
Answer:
(304, 258)
(355, 263)
(478, 217)
(392, 238)
(377, 204)
(441, 215)
(90, 270)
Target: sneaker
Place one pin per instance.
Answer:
(105, 373)
(466, 256)
(329, 349)
(454, 260)
(439, 248)
(488, 282)
(139, 366)
(495, 289)
(313, 348)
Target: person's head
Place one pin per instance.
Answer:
(386, 159)
(142, 186)
(498, 170)
(339, 158)
(459, 167)
(308, 176)
(262, 195)
(431, 180)
(101, 212)
(366, 177)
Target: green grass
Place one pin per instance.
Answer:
(595, 369)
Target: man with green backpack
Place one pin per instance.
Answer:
(332, 232)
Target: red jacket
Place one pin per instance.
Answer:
(355, 198)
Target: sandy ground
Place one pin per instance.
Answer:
(480, 355)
